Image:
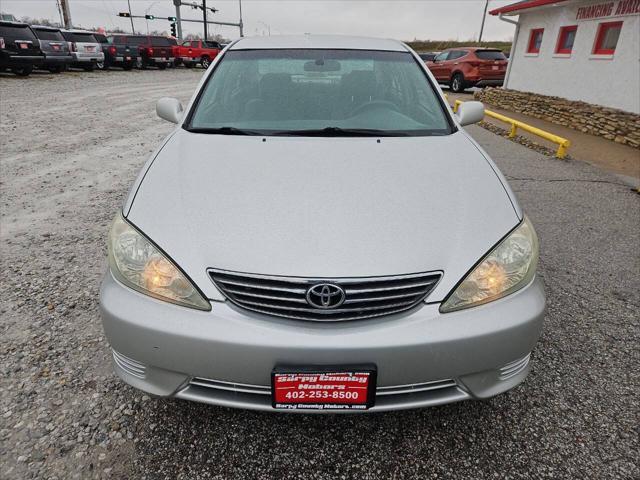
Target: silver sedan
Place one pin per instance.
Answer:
(319, 234)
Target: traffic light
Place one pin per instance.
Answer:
(173, 30)
(124, 14)
(172, 19)
(149, 17)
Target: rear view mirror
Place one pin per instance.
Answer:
(169, 109)
(322, 65)
(470, 112)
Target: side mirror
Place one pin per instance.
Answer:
(169, 109)
(470, 112)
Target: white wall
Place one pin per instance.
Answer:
(612, 82)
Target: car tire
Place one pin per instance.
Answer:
(457, 83)
(102, 66)
(188, 64)
(56, 69)
(88, 68)
(162, 66)
(127, 66)
(205, 62)
(23, 71)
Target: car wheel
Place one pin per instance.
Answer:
(127, 66)
(457, 83)
(56, 69)
(162, 66)
(205, 62)
(102, 66)
(188, 64)
(23, 71)
(88, 68)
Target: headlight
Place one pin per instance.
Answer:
(507, 268)
(137, 263)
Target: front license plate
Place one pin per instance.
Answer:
(333, 388)
(127, 58)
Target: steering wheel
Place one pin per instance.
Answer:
(373, 105)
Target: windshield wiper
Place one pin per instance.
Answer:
(224, 131)
(341, 132)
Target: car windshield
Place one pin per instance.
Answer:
(319, 92)
(79, 37)
(11, 33)
(137, 40)
(54, 35)
(160, 41)
(490, 55)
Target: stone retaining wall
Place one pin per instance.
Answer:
(615, 125)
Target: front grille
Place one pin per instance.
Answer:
(129, 365)
(364, 297)
(514, 368)
(230, 394)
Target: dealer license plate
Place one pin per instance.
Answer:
(312, 388)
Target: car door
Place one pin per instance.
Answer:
(454, 62)
(438, 66)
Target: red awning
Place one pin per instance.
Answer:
(515, 8)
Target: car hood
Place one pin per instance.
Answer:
(323, 207)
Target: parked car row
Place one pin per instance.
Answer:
(26, 47)
(465, 67)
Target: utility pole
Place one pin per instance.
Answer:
(60, 13)
(484, 15)
(240, 22)
(177, 4)
(133, 30)
(66, 14)
(204, 15)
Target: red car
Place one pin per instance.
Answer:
(197, 51)
(467, 67)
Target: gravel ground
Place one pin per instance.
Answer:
(71, 146)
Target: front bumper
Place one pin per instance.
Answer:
(85, 58)
(225, 356)
(9, 61)
(57, 60)
(489, 83)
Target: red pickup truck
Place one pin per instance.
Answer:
(193, 52)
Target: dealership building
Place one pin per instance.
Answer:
(576, 49)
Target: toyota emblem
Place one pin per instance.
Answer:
(325, 296)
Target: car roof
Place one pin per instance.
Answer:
(7, 23)
(73, 30)
(473, 49)
(318, 41)
(46, 27)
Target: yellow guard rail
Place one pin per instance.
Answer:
(563, 143)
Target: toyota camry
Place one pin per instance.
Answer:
(320, 234)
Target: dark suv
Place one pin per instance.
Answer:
(466, 67)
(151, 50)
(19, 48)
(54, 47)
(116, 52)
